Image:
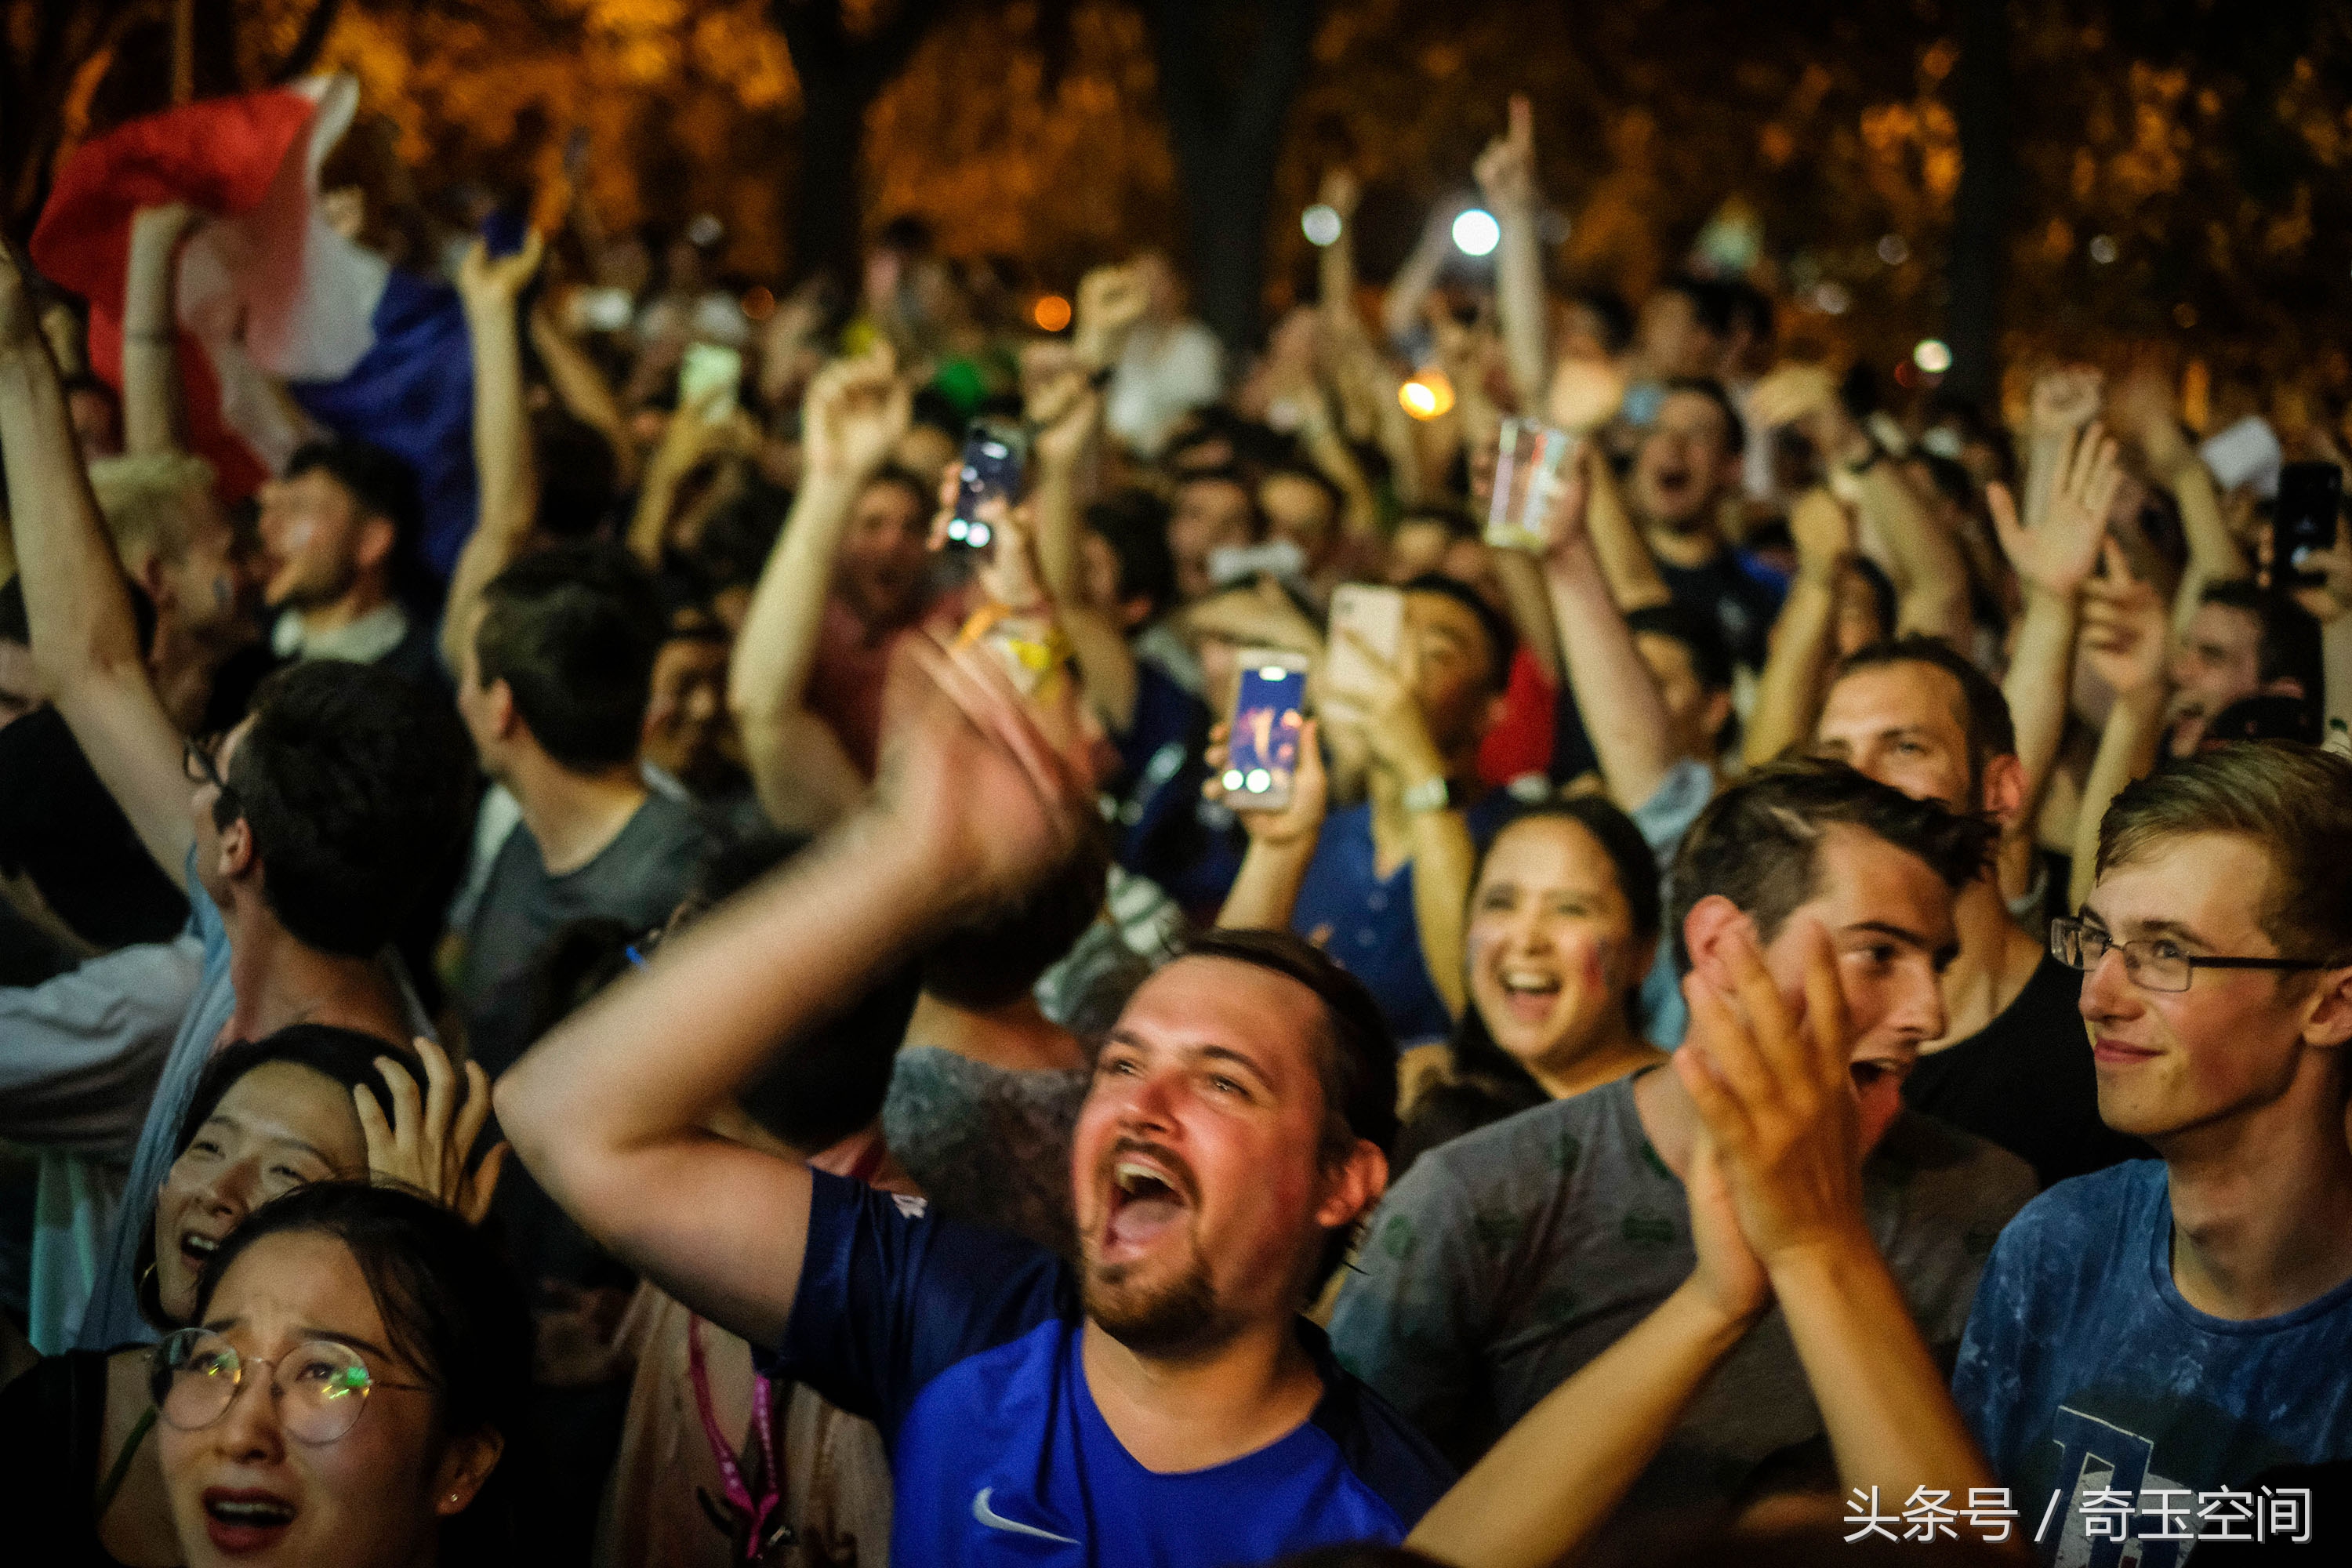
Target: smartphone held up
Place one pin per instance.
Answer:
(994, 455)
(1262, 754)
(2303, 518)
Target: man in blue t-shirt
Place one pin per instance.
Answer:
(1160, 1400)
(2148, 1339)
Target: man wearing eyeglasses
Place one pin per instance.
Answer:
(2154, 1333)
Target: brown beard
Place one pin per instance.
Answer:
(1181, 1315)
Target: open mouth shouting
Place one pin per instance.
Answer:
(246, 1518)
(1528, 992)
(196, 1249)
(1151, 1192)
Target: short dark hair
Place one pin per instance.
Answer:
(1983, 712)
(2289, 647)
(1735, 428)
(1501, 641)
(925, 495)
(2296, 801)
(381, 483)
(346, 1056)
(1711, 302)
(1700, 635)
(997, 956)
(1134, 523)
(1756, 843)
(356, 784)
(451, 1308)
(573, 631)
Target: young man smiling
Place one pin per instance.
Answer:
(1508, 1259)
(2177, 1327)
(1161, 1401)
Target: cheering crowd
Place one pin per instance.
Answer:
(1780, 994)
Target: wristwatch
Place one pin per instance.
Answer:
(1428, 794)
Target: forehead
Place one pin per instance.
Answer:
(1903, 695)
(1860, 877)
(1294, 491)
(1691, 413)
(295, 1280)
(2215, 884)
(886, 500)
(1441, 615)
(1270, 1018)
(289, 1102)
(1211, 495)
(2225, 625)
(1549, 848)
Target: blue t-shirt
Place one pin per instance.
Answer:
(962, 1345)
(1163, 829)
(2084, 1369)
(1367, 924)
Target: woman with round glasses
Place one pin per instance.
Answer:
(310, 1103)
(347, 1393)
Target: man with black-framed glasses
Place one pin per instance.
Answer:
(2154, 1334)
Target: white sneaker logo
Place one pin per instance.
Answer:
(995, 1520)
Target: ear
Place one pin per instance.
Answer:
(237, 854)
(376, 539)
(1491, 714)
(1133, 611)
(1710, 924)
(2004, 791)
(2327, 1024)
(464, 1465)
(1717, 714)
(499, 705)
(1353, 1186)
(2285, 685)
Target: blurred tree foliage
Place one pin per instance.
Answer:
(2205, 145)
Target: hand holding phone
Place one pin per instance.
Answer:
(990, 471)
(708, 369)
(1376, 617)
(2303, 520)
(1261, 748)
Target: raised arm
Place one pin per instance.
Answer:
(150, 371)
(1623, 714)
(2143, 407)
(2125, 638)
(1775, 1093)
(1506, 178)
(582, 390)
(506, 486)
(2053, 561)
(85, 644)
(853, 414)
(1789, 694)
(1623, 555)
(1068, 413)
(2064, 399)
(1401, 310)
(1281, 843)
(977, 803)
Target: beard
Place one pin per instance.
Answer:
(1178, 1315)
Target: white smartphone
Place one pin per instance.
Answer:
(707, 365)
(1377, 615)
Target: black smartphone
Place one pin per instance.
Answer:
(2304, 518)
(993, 457)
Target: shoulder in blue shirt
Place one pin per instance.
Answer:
(963, 1345)
(2083, 1367)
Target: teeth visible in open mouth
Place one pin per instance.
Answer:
(1141, 1181)
(1529, 980)
(202, 1246)
(249, 1512)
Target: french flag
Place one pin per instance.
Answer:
(269, 297)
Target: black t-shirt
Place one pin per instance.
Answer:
(1741, 597)
(60, 827)
(2025, 1082)
(52, 1419)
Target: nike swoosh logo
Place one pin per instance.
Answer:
(995, 1520)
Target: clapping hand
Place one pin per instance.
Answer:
(425, 1144)
(1775, 1094)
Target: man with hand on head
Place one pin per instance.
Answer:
(1163, 1400)
(1508, 1259)
(2163, 1329)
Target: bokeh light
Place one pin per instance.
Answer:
(1051, 312)
(1321, 222)
(1932, 355)
(1476, 232)
(1427, 395)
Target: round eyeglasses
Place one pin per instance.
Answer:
(319, 1386)
(2155, 965)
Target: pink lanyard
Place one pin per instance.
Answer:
(731, 1469)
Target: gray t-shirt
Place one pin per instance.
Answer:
(1506, 1260)
(636, 879)
(987, 1144)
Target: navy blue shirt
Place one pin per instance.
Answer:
(961, 1345)
(1165, 829)
(1366, 921)
(2084, 1369)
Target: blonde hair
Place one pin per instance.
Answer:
(152, 502)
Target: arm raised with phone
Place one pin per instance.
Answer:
(981, 794)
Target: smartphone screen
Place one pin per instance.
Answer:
(706, 366)
(990, 470)
(1374, 614)
(1263, 753)
(2304, 518)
